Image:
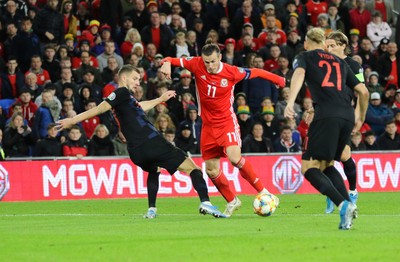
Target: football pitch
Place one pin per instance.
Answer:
(115, 230)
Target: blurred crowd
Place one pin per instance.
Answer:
(59, 58)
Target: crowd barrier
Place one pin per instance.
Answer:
(100, 178)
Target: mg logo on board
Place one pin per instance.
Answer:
(4, 182)
(287, 175)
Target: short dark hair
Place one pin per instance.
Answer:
(209, 48)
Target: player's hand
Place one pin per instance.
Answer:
(357, 126)
(167, 95)
(289, 112)
(64, 124)
(308, 116)
(166, 69)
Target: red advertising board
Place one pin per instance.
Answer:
(64, 179)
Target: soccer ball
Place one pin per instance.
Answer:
(265, 204)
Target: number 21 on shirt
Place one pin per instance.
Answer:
(327, 79)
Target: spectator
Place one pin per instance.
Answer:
(109, 50)
(247, 15)
(396, 104)
(66, 77)
(191, 39)
(382, 48)
(335, 21)
(158, 34)
(387, 65)
(247, 29)
(195, 12)
(388, 96)
(294, 45)
(256, 89)
(185, 84)
(229, 55)
(149, 56)
(70, 20)
(221, 8)
(170, 136)
(50, 145)
(255, 142)
(105, 36)
(284, 70)
(281, 104)
(179, 47)
(43, 76)
(78, 60)
(194, 121)
(47, 113)
(271, 64)
(378, 114)
(270, 125)
(366, 54)
(296, 136)
(370, 141)
(377, 29)
(17, 137)
(164, 122)
(28, 107)
(112, 84)
(48, 87)
(244, 120)
(69, 92)
(49, 24)
(100, 143)
(132, 37)
(120, 145)
(11, 79)
(76, 144)
(27, 44)
(50, 63)
(373, 83)
(285, 143)
(87, 67)
(139, 15)
(90, 125)
(383, 6)
(67, 105)
(186, 141)
(127, 24)
(343, 13)
(354, 41)
(360, 17)
(356, 142)
(110, 13)
(11, 15)
(314, 8)
(176, 14)
(32, 85)
(389, 140)
(269, 9)
(272, 28)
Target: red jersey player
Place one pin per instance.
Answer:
(220, 135)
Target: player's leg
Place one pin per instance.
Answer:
(222, 184)
(350, 171)
(245, 168)
(199, 184)
(152, 190)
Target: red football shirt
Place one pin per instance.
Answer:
(214, 91)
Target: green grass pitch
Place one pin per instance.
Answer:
(115, 230)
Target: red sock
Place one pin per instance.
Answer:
(222, 184)
(247, 172)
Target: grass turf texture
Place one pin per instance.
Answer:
(115, 230)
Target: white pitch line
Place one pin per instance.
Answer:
(162, 214)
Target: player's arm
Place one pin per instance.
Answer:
(68, 122)
(295, 86)
(166, 65)
(362, 104)
(256, 72)
(147, 105)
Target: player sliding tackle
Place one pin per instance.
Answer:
(220, 134)
(146, 146)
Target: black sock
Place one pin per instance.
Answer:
(351, 173)
(199, 184)
(152, 188)
(323, 184)
(337, 181)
